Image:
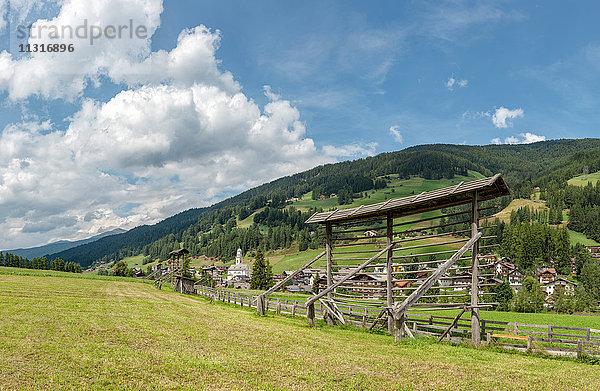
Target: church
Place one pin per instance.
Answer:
(238, 274)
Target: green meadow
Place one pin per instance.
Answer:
(59, 332)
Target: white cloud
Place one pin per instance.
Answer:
(395, 132)
(270, 94)
(453, 83)
(181, 135)
(529, 138)
(511, 140)
(351, 150)
(65, 75)
(524, 138)
(502, 116)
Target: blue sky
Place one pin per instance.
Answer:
(223, 96)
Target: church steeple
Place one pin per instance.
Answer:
(238, 257)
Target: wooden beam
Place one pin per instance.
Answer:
(348, 276)
(389, 276)
(294, 274)
(454, 322)
(475, 332)
(329, 251)
(416, 295)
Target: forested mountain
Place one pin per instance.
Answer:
(61, 245)
(212, 231)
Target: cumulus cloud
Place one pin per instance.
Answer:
(524, 138)
(66, 75)
(501, 118)
(395, 132)
(452, 83)
(182, 134)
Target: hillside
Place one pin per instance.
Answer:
(59, 246)
(522, 165)
(69, 333)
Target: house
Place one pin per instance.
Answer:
(547, 274)
(371, 285)
(333, 195)
(515, 278)
(594, 251)
(322, 197)
(405, 287)
(550, 287)
(370, 233)
(488, 259)
(239, 282)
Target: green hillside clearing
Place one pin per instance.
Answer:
(396, 188)
(583, 180)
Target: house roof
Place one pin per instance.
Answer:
(487, 188)
(240, 267)
(181, 251)
(550, 270)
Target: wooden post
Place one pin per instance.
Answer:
(389, 277)
(278, 308)
(260, 304)
(310, 314)
(475, 332)
(529, 342)
(294, 309)
(329, 250)
(579, 349)
(399, 329)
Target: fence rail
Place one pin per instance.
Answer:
(558, 339)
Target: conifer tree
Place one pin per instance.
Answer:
(262, 276)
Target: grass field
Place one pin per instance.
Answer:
(583, 180)
(504, 214)
(83, 333)
(578, 237)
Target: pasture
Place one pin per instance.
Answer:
(101, 333)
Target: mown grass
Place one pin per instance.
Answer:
(83, 333)
(52, 273)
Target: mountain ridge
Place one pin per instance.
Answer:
(522, 166)
(60, 245)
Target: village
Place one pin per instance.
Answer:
(239, 274)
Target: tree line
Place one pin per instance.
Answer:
(42, 263)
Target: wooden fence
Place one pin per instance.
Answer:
(554, 339)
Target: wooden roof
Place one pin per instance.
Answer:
(181, 251)
(462, 193)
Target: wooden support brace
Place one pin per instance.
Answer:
(454, 322)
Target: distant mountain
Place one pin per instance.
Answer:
(523, 166)
(61, 245)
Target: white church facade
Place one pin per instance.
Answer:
(238, 274)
